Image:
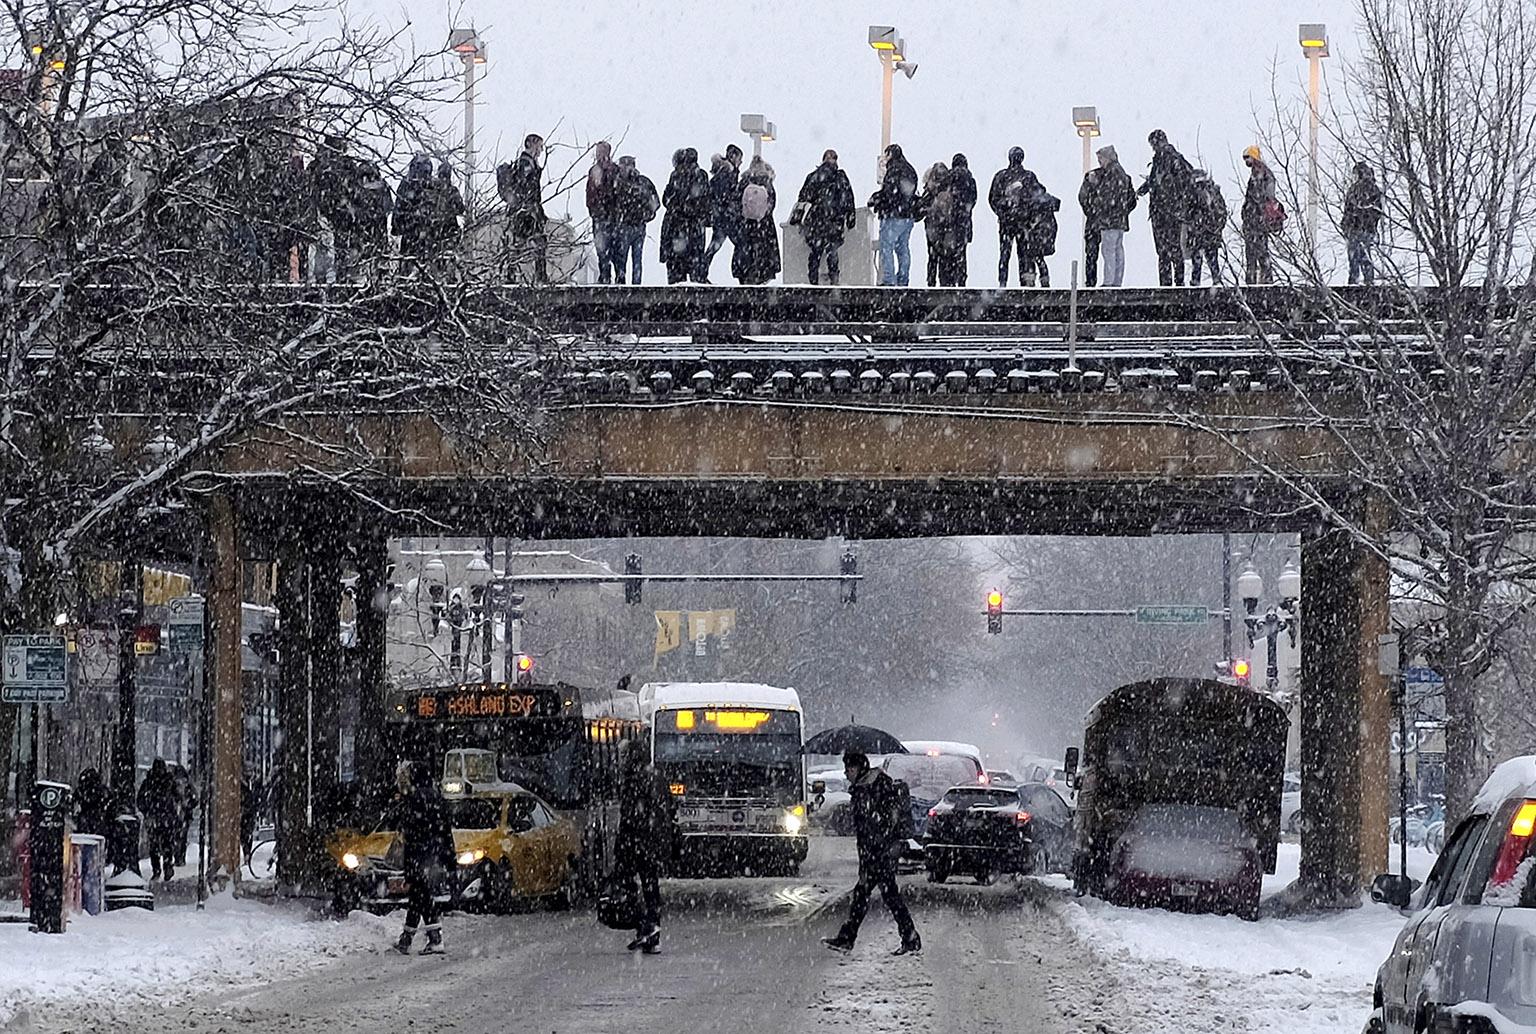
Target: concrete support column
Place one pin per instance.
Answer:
(1345, 718)
(373, 761)
(293, 766)
(228, 717)
(325, 674)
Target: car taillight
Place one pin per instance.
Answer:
(1516, 842)
(983, 779)
(1021, 816)
(932, 812)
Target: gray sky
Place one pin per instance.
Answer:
(993, 73)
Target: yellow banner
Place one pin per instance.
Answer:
(160, 587)
(669, 632)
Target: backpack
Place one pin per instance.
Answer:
(1273, 214)
(505, 175)
(1211, 207)
(650, 204)
(902, 826)
(754, 202)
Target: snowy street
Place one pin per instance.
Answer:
(744, 955)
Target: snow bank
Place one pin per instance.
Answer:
(163, 956)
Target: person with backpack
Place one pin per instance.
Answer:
(602, 199)
(421, 817)
(1009, 197)
(521, 185)
(942, 226)
(1362, 217)
(643, 845)
(756, 260)
(1262, 215)
(635, 205)
(896, 205)
(1107, 198)
(881, 815)
(687, 200)
(724, 205)
(1207, 228)
(963, 186)
(1170, 182)
(1037, 234)
(824, 211)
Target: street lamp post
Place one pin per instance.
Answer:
(759, 129)
(1283, 618)
(471, 49)
(1314, 44)
(1086, 120)
(887, 42)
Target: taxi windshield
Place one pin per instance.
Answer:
(474, 813)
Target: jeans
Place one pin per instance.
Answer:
(1092, 239)
(717, 239)
(883, 878)
(1256, 255)
(603, 239)
(828, 250)
(895, 252)
(628, 243)
(1361, 268)
(1008, 243)
(1209, 253)
(1114, 257)
(1168, 239)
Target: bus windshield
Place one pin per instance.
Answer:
(719, 752)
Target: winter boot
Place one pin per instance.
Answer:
(434, 945)
(911, 947)
(403, 945)
(842, 942)
(652, 943)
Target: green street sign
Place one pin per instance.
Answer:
(1168, 614)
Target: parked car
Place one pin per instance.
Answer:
(1000, 777)
(930, 770)
(1463, 961)
(982, 831)
(1290, 803)
(1191, 857)
(829, 809)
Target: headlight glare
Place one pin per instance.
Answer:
(350, 860)
(470, 857)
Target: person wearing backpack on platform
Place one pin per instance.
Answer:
(756, 259)
(1207, 228)
(1262, 215)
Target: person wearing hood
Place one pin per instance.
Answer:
(963, 186)
(1362, 218)
(824, 212)
(896, 205)
(520, 185)
(1170, 182)
(427, 851)
(1107, 197)
(410, 223)
(444, 210)
(724, 205)
(943, 225)
(1207, 228)
(637, 204)
(1261, 217)
(1010, 197)
(687, 201)
(1038, 237)
(756, 260)
(160, 805)
(602, 199)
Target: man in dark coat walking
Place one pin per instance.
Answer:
(643, 846)
(876, 801)
(1107, 197)
(421, 818)
(520, 185)
(824, 212)
(1170, 182)
(724, 205)
(160, 805)
(688, 203)
(896, 205)
(1362, 218)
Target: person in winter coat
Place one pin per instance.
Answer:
(943, 225)
(160, 806)
(643, 846)
(876, 802)
(688, 203)
(963, 186)
(896, 205)
(602, 201)
(368, 241)
(94, 811)
(411, 207)
(724, 205)
(1170, 182)
(294, 222)
(756, 260)
(520, 185)
(1207, 227)
(1037, 236)
(1107, 197)
(824, 212)
(1259, 203)
(421, 818)
(1012, 197)
(637, 204)
(444, 212)
(1362, 218)
(186, 804)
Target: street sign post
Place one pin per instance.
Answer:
(35, 670)
(1170, 614)
(184, 627)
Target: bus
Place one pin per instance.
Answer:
(731, 752)
(559, 741)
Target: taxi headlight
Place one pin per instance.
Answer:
(350, 860)
(792, 822)
(470, 857)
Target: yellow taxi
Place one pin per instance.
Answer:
(510, 847)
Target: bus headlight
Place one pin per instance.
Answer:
(351, 861)
(792, 823)
(470, 857)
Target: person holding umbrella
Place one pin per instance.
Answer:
(878, 806)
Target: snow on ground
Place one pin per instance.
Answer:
(1203, 973)
(167, 955)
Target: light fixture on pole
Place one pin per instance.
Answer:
(467, 45)
(434, 575)
(1086, 121)
(887, 42)
(1285, 618)
(1314, 44)
(759, 129)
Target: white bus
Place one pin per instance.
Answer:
(731, 753)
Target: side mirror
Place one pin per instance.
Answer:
(1393, 889)
(1070, 764)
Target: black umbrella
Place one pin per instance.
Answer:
(861, 738)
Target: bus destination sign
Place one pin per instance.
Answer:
(477, 703)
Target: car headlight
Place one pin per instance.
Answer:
(470, 857)
(350, 860)
(792, 823)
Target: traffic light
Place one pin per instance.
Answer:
(1241, 669)
(994, 612)
(632, 586)
(524, 670)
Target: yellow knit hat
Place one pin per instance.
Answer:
(1254, 153)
